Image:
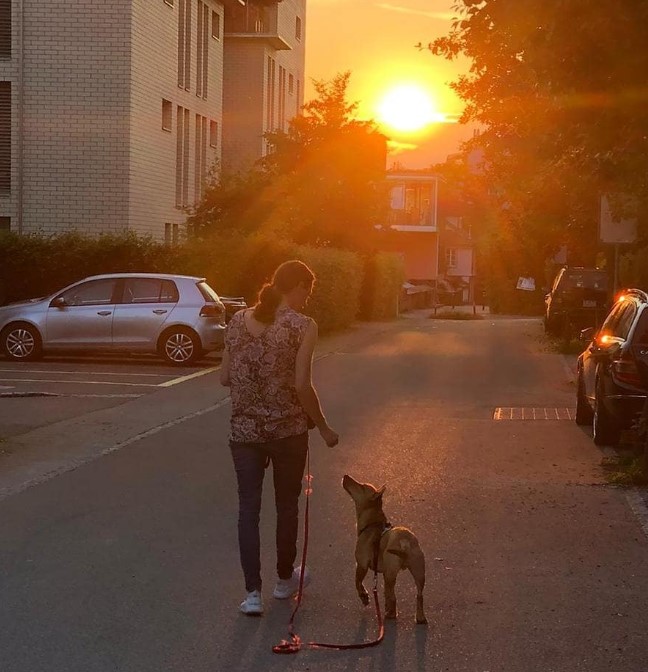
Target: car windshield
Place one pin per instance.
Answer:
(585, 280)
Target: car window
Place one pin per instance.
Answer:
(149, 290)
(91, 293)
(641, 332)
(611, 320)
(584, 280)
(208, 293)
(626, 318)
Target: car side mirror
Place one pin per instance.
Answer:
(58, 302)
(586, 335)
(608, 347)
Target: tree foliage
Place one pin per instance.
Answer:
(558, 87)
(321, 184)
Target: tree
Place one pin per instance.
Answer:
(558, 89)
(322, 183)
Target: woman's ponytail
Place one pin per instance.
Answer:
(288, 276)
(266, 307)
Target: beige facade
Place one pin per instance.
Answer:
(114, 112)
(264, 75)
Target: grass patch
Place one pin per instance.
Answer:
(564, 346)
(452, 315)
(626, 469)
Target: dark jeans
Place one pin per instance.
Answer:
(288, 457)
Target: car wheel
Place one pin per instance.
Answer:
(606, 430)
(180, 347)
(21, 342)
(584, 412)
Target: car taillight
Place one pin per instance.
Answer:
(212, 310)
(625, 371)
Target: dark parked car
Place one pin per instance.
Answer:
(178, 317)
(232, 305)
(610, 388)
(578, 298)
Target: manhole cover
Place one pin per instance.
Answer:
(532, 413)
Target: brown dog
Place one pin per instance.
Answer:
(395, 548)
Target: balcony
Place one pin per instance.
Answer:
(412, 220)
(254, 22)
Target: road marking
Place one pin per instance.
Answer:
(183, 379)
(72, 465)
(90, 373)
(638, 506)
(533, 413)
(77, 382)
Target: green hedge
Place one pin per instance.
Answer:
(633, 271)
(32, 266)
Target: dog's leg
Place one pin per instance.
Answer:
(416, 565)
(361, 572)
(391, 567)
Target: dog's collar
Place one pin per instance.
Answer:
(384, 526)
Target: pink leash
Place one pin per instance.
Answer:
(294, 643)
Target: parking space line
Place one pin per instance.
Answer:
(94, 373)
(76, 382)
(183, 379)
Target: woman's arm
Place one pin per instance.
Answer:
(305, 389)
(225, 368)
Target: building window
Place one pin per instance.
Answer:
(5, 223)
(200, 172)
(167, 115)
(182, 157)
(184, 43)
(213, 134)
(5, 28)
(270, 94)
(282, 98)
(171, 235)
(215, 26)
(298, 28)
(291, 84)
(5, 138)
(202, 49)
(451, 257)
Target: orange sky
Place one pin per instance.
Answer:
(375, 41)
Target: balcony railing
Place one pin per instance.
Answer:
(411, 218)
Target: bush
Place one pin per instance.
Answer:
(384, 274)
(32, 266)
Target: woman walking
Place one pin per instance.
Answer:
(267, 364)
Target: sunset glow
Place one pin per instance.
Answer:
(408, 108)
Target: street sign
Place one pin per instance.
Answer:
(616, 231)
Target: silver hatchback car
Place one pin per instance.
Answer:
(176, 316)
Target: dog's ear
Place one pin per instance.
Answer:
(379, 493)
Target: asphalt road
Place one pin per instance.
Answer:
(128, 562)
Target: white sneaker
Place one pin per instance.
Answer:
(252, 605)
(286, 588)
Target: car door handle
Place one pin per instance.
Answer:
(159, 311)
(104, 312)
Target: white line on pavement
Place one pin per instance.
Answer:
(90, 373)
(183, 379)
(639, 508)
(77, 382)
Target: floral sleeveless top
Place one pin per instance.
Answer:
(265, 405)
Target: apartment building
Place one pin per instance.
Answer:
(112, 114)
(264, 74)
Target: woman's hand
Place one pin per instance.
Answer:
(330, 437)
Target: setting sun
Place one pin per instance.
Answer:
(408, 108)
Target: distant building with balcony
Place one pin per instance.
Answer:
(423, 227)
(113, 113)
